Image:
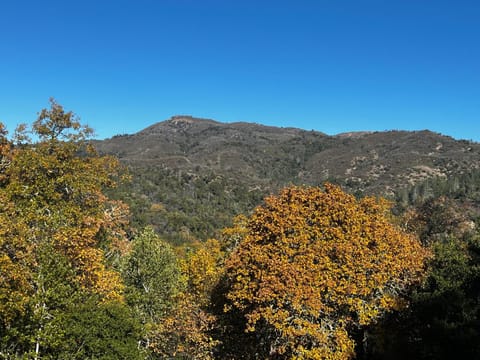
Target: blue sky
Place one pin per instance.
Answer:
(328, 65)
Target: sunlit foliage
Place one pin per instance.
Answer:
(314, 264)
(59, 234)
(186, 333)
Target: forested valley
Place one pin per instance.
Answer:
(105, 258)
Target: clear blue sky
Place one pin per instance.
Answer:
(329, 65)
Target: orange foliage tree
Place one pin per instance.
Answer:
(313, 265)
(52, 206)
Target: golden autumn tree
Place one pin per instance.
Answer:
(186, 331)
(313, 265)
(203, 268)
(15, 251)
(54, 217)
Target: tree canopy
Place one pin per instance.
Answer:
(314, 264)
(313, 273)
(59, 233)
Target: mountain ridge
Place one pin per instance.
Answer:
(191, 176)
(371, 159)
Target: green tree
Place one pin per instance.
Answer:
(153, 282)
(442, 321)
(93, 330)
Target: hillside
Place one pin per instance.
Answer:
(190, 176)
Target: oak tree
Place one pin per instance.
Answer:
(313, 265)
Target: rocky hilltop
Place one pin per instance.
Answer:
(265, 155)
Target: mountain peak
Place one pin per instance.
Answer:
(182, 119)
(368, 161)
(353, 134)
(177, 123)
(187, 119)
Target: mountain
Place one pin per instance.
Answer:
(202, 172)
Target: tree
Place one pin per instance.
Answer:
(152, 276)
(443, 317)
(170, 296)
(203, 268)
(185, 332)
(440, 218)
(193, 321)
(153, 283)
(93, 330)
(315, 265)
(59, 233)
